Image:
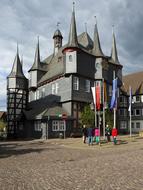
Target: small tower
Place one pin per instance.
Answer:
(70, 51)
(17, 92)
(73, 41)
(36, 70)
(97, 51)
(57, 39)
(114, 54)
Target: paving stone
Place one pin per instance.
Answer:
(69, 165)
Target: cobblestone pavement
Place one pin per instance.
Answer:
(70, 165)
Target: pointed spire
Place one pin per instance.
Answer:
(22, 60)
(97, 47)
(37, 54)
(73, 42)
(17, 66)
(114, 54)
(36, 64)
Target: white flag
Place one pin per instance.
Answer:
(93, 94)
(130, 98)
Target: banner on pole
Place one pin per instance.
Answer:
(130, 98)
(96, 96)
(114, 95)
(93, 94)
(105, 104)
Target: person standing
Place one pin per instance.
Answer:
(114, 135)
(90, 135)
(107, 133)
(84, 132)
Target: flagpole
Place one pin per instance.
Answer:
(95, 104)
(130, 111)
(103, 110)
(114, 109)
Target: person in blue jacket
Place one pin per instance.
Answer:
(90, 135)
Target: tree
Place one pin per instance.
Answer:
(87, 116)
(2, 125)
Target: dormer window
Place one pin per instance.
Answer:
(70, 58)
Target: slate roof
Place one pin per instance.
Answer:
(73, 41)
(55, 62)
(97, 51)
(57, 33)
(85, 41)
(114, 55)
(38, 65)
(36, 109)
(135, 80)
(54, 111)
(17, 68)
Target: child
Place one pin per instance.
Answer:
(114, 135)
(107, 133)
(97, 136)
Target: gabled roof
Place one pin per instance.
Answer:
(47, 105)
(135, 80)
(54, 111)
(85, 41)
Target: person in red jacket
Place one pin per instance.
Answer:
(114, 135)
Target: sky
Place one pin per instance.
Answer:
(21, 21)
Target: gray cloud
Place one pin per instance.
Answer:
(21, 21)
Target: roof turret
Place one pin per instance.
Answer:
(17, 67)
(73, 42)
(114, 54)
(36, 65)
(97, 47)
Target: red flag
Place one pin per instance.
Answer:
(98, 97)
